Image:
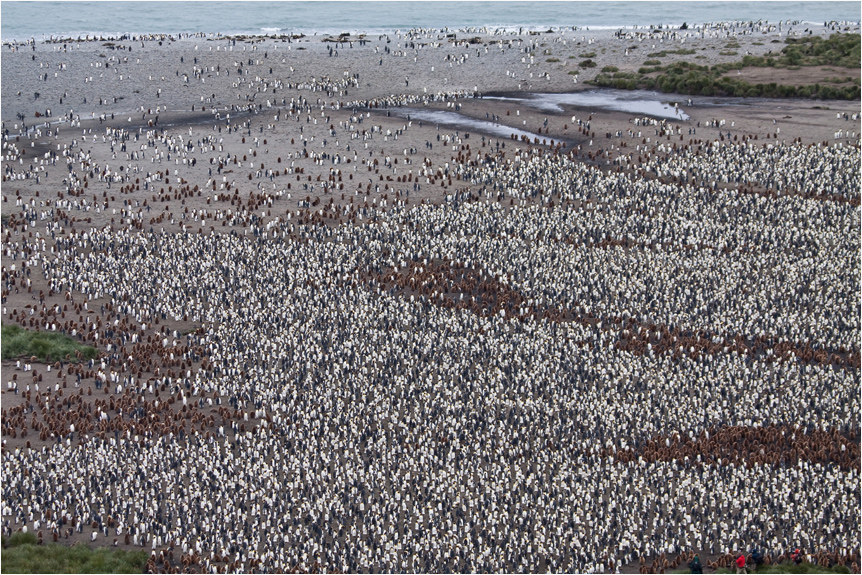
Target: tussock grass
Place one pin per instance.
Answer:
(665, 53)
(840, 50)
(46, 346)
(21, 554)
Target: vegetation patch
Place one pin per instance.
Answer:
(840, 50)
(552, 60)
(728, 53)
(652, 62)
(620, 80)
(46, 346)
(587, 64)
(21, 554)
(840, 80)
(610, 69)
(666, 53)
(588, 55)
(19, 538)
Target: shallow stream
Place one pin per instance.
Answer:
(637, 102)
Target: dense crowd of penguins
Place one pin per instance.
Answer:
(741, 253)
(480, 385)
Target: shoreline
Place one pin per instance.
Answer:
(319, 77)
(355, 33)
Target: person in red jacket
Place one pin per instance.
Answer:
(740, 564)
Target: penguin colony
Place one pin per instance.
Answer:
(571, 362)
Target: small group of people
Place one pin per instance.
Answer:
(756, 559)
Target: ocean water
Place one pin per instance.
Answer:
(24, 20)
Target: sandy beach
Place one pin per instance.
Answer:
(128, 85)
(164, 188)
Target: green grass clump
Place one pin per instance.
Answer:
(652, 62)
(552, 60)
(790, 567)
(22, 555)
(610, 69)
(587, 64)
(685, 78)
(619, 80)
(728, 53)
(665, 53)
(46, 346)
(837, 50)
(626, 75)
(19, 538)
(588, 55)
